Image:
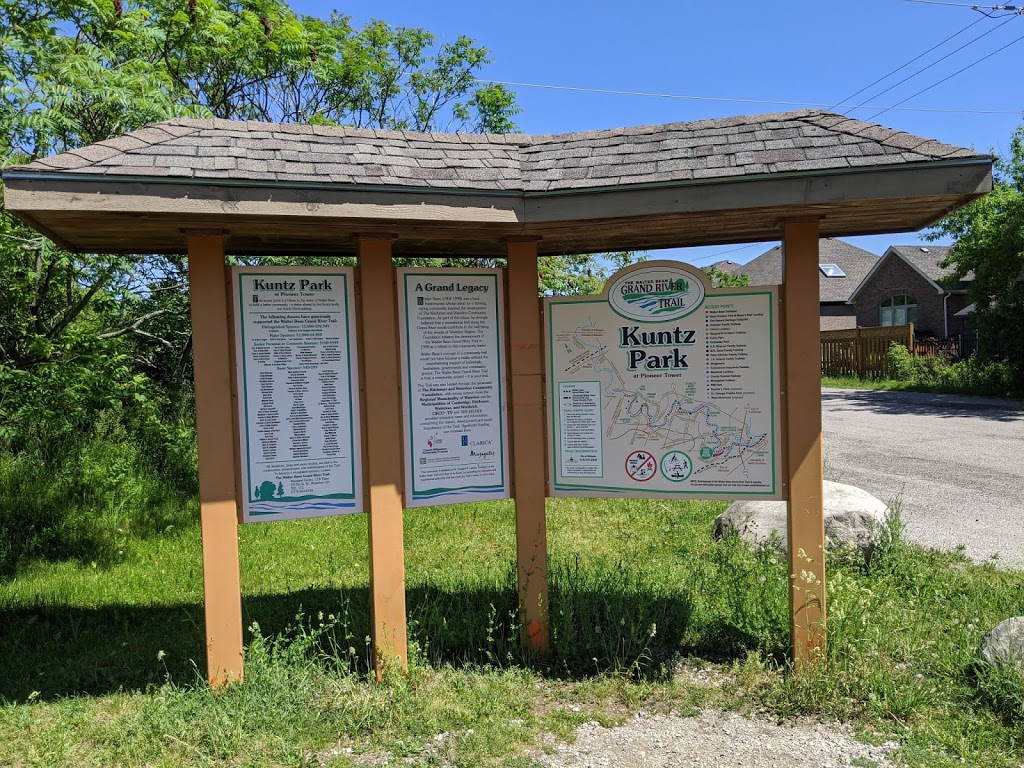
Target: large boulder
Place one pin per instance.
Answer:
(853, 518)
(1003, 645)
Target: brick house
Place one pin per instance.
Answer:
(841, 267)
(907, 285)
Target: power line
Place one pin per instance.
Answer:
(940, 82)
(980, 8)
(907, 64)
(716, 254)
(819, 105)
(923, 69)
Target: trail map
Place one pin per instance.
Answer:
(651, 407)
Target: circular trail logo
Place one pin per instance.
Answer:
(656, 294)
(676, 466)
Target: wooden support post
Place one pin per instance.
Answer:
(211, 347)
(801, 381)
(526, 365)
(383, 436)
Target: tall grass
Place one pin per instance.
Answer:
(109, 649)
(84, 497)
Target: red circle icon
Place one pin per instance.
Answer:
(641, 466)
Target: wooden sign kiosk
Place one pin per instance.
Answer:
(214, 187)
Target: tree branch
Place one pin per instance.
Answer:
(134, 327)
(81, 304)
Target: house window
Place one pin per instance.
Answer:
(831, 270)
(899, 310)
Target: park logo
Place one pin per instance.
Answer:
(656, 294)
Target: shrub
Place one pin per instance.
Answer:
(82, 496)
(901, 362)
(971, 376)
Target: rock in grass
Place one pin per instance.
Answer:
(853, 518)
(1003, 645)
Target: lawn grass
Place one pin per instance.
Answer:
(896, 385)
(103, 660)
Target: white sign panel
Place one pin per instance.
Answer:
(664, 388)
(298, 411)
(451, 326)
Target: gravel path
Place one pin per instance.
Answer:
(715, 740)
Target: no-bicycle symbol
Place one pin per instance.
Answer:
(641, 466)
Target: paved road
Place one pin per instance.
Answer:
(956, 463)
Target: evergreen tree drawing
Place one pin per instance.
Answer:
(280, 490)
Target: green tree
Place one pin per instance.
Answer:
(582, 274)
(98, 338)
(721, 279)
(266, 491)
(989, 242)
(79, 331)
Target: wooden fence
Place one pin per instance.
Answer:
(951, 348)
(862, 351)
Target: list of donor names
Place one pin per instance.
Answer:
(297, 388)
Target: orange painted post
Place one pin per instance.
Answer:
(801, 381)
(382, 432)
(211, 347)
(526, 367)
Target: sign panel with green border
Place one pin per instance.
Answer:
(451, 329)
(296, 369)
(664, 388)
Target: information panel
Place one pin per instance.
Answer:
(298, 411)
(664, 388)
(451, 326)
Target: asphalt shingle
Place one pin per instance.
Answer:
(766, 269)
(805, 140)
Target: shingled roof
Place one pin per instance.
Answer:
(766, 269)
(300, 189)
(926, 260)
(296, 154)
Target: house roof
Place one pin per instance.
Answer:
(766, 269)
(508, 184)
(926, 260)
(220, 149)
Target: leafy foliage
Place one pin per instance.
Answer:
(989, 236)
(85, 338)
(972, 376)
(82, 332)
(722, 279)
(581, 274)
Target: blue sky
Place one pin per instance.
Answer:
(796, 51)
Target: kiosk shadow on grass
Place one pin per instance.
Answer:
(603, 619)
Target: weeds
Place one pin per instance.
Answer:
(970, 376)
(110, 657)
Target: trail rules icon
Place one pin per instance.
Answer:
(641, 466)
(676, 466)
